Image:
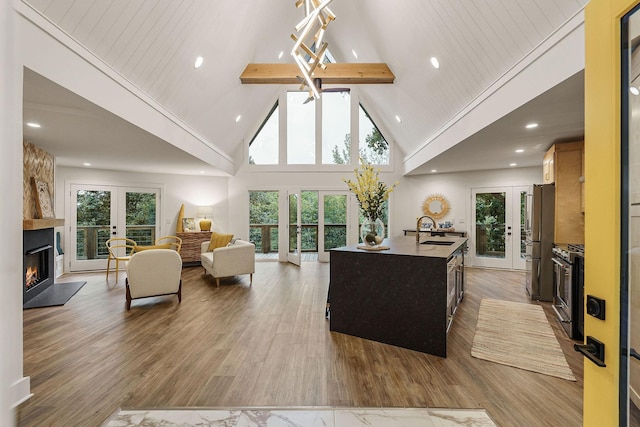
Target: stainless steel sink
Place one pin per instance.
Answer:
(437, 242)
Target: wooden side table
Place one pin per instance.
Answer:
(191, 242)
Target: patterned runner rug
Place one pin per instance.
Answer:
(518, 334)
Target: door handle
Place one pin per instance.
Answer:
(633, 353)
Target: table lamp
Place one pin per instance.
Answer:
(203, 212)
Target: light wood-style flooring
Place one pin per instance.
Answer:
(268, 345)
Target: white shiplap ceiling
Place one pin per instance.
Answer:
(153, 43)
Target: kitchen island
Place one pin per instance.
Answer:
(404, 296)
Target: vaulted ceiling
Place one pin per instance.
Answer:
(152, 45)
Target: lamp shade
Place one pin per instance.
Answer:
(204, 212)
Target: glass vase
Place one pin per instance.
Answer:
(372, 232)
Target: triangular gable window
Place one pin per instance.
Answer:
(263, 148)
(373, 147)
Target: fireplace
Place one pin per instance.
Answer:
(38, 261)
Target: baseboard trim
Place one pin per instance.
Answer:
(21, 391)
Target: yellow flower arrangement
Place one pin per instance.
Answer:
(370, 192)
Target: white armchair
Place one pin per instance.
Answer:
(154, 272)
(237, 258)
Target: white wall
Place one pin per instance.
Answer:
(192, 191)
(13, 386)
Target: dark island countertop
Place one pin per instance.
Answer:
(408, 246)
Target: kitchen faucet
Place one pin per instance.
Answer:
(435, 226)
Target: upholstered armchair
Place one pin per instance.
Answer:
(154, 272)
(239, 257)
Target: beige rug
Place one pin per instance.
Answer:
(519, 335)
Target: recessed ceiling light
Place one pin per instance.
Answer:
(33, 125)
(531, 125)
(634, 90)
(435, 62)
(519, 150)
(354, 53)
(201, 171)
(238, 117)
(434, 170)
(513, 164)
(280, 54)
(398, 119)
(86, 164)
(198, 63)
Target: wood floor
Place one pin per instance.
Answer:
(268, 345)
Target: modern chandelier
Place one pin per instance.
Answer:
(310, 32)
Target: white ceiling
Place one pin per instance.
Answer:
(153, 44)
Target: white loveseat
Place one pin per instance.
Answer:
(239, 257)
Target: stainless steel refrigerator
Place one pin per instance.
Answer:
(540, 213)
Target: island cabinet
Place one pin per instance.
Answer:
(405, 296)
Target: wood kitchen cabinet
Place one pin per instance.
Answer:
(563, 166)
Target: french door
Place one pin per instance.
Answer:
(294, 255)
(100, 212)
(498, 227)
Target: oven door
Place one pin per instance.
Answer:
(562, 284)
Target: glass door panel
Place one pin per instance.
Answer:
(93, 211)
(263, 222)
(519, 233)
(630, 291)
(333, 223)
(141, 211)
(490, 228)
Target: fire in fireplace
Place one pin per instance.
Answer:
(38, 261)
(36, 266)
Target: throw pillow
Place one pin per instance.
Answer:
(219, 240)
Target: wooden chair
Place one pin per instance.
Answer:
(120, 250)
(174, 242)
(154, 272)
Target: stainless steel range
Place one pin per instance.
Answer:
(568, 283)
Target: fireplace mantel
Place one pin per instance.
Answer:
(39, 224)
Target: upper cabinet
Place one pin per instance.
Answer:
(563, 165)
(548, 172)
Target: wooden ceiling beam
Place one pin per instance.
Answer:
(367, 73)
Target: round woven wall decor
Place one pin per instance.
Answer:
(436, 206)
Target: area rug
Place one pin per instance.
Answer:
(301, 417)
(518, 334)
(56, 294)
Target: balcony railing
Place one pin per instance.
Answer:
(265, 236)
(91, 240)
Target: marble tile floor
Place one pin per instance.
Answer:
(301, 417)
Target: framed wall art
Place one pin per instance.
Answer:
(44, 204)
(188, 224)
